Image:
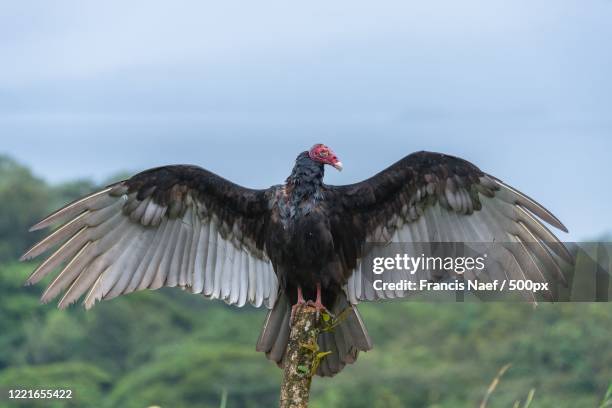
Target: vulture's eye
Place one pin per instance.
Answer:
(323, 153)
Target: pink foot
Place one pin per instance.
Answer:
(317, 304)
(299, 304)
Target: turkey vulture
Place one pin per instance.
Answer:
(184, 226)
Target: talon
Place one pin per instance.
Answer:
(300, 303)
(319, 307)
(317, 304)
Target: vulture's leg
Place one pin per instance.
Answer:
(300, 302)
(317, 303)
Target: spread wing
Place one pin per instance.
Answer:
(169, 226)
(430, 197)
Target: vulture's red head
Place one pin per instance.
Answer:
(323, 154)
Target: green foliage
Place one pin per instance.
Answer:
(607, 400)
(23, 200)
(88, 382)
(444, 355)
(67, 192)
(189, 373)
(173, 349)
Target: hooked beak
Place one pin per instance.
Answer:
(338, 165)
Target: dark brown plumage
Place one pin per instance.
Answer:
(185, 226)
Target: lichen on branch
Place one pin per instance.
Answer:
(302, 357)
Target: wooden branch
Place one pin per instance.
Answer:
(301, 358)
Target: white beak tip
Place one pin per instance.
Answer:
(338, 166)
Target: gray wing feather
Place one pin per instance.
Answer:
(520, 246)
(113, 242)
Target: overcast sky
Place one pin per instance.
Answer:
(522, 88)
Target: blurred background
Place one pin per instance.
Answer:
(91, 92)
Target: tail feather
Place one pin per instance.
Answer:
(345, 341)
(275, 333)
